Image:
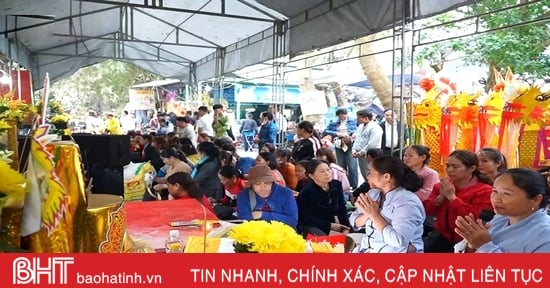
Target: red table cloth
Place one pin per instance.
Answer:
(148, 221)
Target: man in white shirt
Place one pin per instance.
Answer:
(185, 130)
(204, 124)
(391, 129)
(127, 122)
(94, 124)
(368, 135)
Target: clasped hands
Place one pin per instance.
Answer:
(446, 191)
(367, 206)
(475, 232)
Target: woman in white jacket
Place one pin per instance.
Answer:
(391, 214)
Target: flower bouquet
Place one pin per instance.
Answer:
(12, 194)
(61, 123)
(54, 107)
(14, 109)
(266, 237)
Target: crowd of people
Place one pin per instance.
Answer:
(402, 206)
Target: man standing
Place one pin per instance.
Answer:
(391, 129)
(268, 130)
(127, 122)
(249, 128)
(204, 123)
(279, 119)
(341, 131)
(368, 135)
(184, 129)
(220, 123)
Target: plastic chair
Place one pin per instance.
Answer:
(248, 141)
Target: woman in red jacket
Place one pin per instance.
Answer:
(465, 191)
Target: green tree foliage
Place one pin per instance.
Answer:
(101, 87)
(515, 38)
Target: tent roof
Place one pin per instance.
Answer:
(175, 38)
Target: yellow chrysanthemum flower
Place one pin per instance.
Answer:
(4, 125)
(60, 118)
(13, 184)
(267, 237)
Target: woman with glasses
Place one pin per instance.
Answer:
(322, 208)
(391, 213)
(265, 200)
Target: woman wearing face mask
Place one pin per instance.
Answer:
(520, 200)
(321, 204)
(465, 191)
(266, 200)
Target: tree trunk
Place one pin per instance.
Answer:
(373, 71)
(491, 79)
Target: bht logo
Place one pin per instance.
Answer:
(30, 270)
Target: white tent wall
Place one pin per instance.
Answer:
(326, 24)
(170, 38)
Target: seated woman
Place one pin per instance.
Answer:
(266, 200)
(181, 186)
(391, 214)
(300, 171)
(268, 147)
(338, 173)
(462, 193)
(519, 198)
(174, 162)
(371, 154)
(189, 150)
(417, 157)
(233, 183)
(306, 147)
(321, 202)
(206, 171)
(268, 159)
(491, 162)
(286, 168)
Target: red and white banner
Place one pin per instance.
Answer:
(274, 270)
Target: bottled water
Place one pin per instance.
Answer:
(174, 244)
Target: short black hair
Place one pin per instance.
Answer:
(203, 108)
(217, 106)
(365, 113)
(341, 111)
(182, 119)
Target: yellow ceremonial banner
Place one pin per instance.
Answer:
(195, 244)
(57, 233)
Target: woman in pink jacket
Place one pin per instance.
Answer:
(417, 157)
